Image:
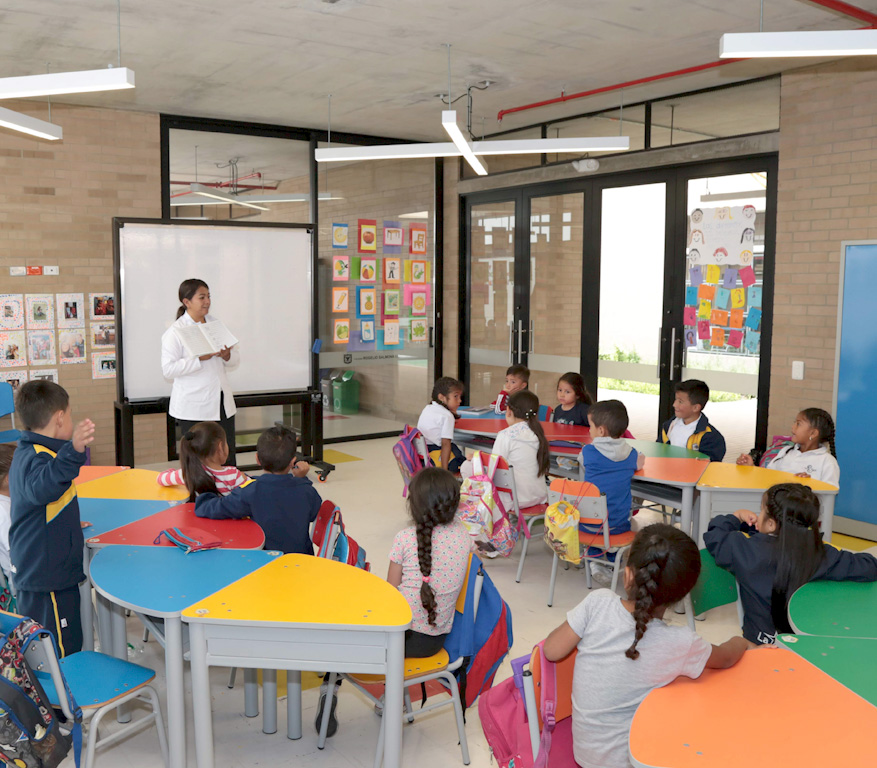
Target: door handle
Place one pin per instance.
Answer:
(661, 366)
(520, 340)
(511, 343)
(672, 351)
(530, 349)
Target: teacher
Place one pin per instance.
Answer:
(201, 391)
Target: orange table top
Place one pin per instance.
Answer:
(89, 473)
(735, 477)
(671, 470)
(814, 720)
(234, 534)
(137, 484)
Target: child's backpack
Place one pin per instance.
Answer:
(408, 455)
(482, 511)
(562, 530)
(779, 442)
(29, 732)
(332, 540)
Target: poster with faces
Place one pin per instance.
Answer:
(39, 311)
(722, 235)
(11, 312)
(70, 309)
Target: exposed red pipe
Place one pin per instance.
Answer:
(833, 5)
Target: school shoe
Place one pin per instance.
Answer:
(601, 573)
(332, 728)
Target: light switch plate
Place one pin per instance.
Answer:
(50, 270)
(17, 271)
(798, 370)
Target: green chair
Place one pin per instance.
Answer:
(714, 587)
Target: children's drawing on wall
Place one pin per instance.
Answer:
(13, 351)
(45, 374)
(341, 268)
(392, 270)
(367, 330)
(71, 309)
(103, 365)
(12, 312)
(103, 306)
(40, 313)
(103, 335)
(342, 331)
(418, 329)
(339, 235)
(14, 378)
(71, 345)
(41, 347)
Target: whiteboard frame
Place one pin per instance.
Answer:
(120, 222)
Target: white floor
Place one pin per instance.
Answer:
(369, 494)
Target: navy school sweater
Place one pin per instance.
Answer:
(45, 537)
(283, 506)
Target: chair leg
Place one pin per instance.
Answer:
(458, 712)
(689, 611)
(379, 754)
(231, 676)
(553, 579)
(327, 709)
(159, 722)
(587, 573)
(615, 570)
(145, 635)
(521, 560)
(408, 708)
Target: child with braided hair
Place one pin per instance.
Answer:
(612, 674)
(428, 560)
(777, 551)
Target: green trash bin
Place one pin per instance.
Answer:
(345, 394)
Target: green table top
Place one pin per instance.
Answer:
(663, 451)
(850, 661)
(845, 609)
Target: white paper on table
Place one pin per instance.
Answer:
(205, 338)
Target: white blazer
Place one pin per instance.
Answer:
(197, 384)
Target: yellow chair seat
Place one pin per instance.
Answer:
(413, 668)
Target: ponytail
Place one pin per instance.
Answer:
(195, 448)
(188, 288)
(525, 405)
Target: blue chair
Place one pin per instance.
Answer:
(7, 408)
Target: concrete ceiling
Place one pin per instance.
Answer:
(275, 60)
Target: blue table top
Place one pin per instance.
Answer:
(107, 514)
(162, 581)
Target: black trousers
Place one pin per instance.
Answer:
(420, 646)
(457, 456)
(56, 611)
(226, 422)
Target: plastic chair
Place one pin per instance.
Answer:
(7, 408)
(715, 586)
(532, 682)
(99, 684)
(417, 671)
(593, 512)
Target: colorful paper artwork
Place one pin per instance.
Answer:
(408, 291)
(417, 233)
(747, 276)
(367, 330)
(419, 329)
(14, 378)
(392, 270)
(103, 365)
(368, 270)
(13, 349)
(704, 309)
(339, 235)
(418, 272)
(368, 236)
(394, 237)
(736, 318)
(721, 235)
(691, 295)
(391, 332)
(738, 298)
(45, 374)
(753, 295)
(366, 299)
(11, 312)
(103, 307)
(753, 319)
(719, 317)
(71, 345)
(103, 335)
(340, 298)
(695, 275)
(745, 257)
(689, 316)
(690, 338)
(753, 339)
(40, 314)
(713, 274)
(41, 347)
(735, 339)
(706, 292)
(71, 309)
(703, 329)
(418, 303)
(342, 331)
(392, 302)
(717, 339)
(723, 296)
(340, 268)
(729, 279)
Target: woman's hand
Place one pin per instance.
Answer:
(207, 357)
(224, 353)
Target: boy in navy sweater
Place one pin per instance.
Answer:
(282, 501)
(691, 428)
(45, 538)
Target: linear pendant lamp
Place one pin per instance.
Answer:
(31, 125)
(849, 42)
(449, 123)
(216, 194)
(223, 198)
(57, 83)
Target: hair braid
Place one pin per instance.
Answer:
(647, 579)
(822, 422)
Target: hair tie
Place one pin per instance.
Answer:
(426, 579)
(529, 414)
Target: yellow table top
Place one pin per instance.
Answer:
(306, 590)
(735, 476)
(131, 484)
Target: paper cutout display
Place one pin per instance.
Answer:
(14, 378)
(738, 298)
(723, 297)
(735, 339)
(706, 292)
(13, 349)
(392, 300)
(340, 298)
(40, 313)
(729, 279)
(745, 257)
(718, 338)
(339, 235)
(736, 318)
(368, 235)
(753, 295)
(695, 275)
(691, 295)
(367, 330)
(51, 374)
(103, 365)
(721, 235)
(392, 270)
(340, 268)
(368, 270)
(41, 347)
(71, 345)
(71, 309)
(418, 303)
(703, 329)
(418, 272)
(342, 331)
(394, 237)
(713, 274)
(747, 276)
(689, 316)
(103, 307)
(419, 330)
(753, 338)
(366, 301)
(391, 332)
(718, 317)
(704, 310)
(753, 319)
(690, 338)
(11, 312)
(103, 335)
(417, 233)
(409, 290)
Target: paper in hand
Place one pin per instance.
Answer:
(205, 338)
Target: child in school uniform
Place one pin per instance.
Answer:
(6, 452)
(436, 422)
(283, 501)
(691, 428)
(517, 379)
(574, 399)
(45, 537)
(811, 453)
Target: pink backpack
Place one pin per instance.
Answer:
(482, 511)
(407, 455)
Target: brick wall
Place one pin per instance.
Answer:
(58, 201)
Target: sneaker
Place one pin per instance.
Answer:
(601, 573)
(333, 721)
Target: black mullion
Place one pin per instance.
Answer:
(592, 232)
(522, 277)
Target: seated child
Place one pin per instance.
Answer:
(282, 501)
(436, 422)
(609, 462)
(691, 429)
(783, 552)
(6, 451)
(625, 649)
(203, 449)
(517, 378)
(574, 400)
(812, 453)
(45, 537)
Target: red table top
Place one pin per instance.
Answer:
(235, 534)
(552, 430)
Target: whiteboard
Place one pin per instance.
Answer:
(261, 287)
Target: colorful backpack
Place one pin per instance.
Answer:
(408, 457)
(29, 732)
(562, 530)
(482, 511)
(339, 546)
(779, 442)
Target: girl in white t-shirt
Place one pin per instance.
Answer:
(625, 649)
(812, 453)
(436, 422)
(6, 451)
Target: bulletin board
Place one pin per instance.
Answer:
(855, 390)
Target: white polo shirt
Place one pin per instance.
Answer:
(436, 423)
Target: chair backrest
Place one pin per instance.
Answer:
(7, 401)
(591, 504)
(460, 607)
(715, 586)
(563, 670)
(503, 478)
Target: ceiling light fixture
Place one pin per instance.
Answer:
(200, 189)
(30, 125)
(58, 83)
(726, 197)
(449, 123)
(218, 197)
(754, 45)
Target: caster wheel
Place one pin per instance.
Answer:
(323, 477)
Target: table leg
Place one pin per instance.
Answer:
(86, 615)
(201, 704)
(251, 692)
(104, 624)
(293, 704)
(176, 703)
(392, 717)
(120, 650)
(827, 515)
(269, 701)
(706, 509)
(687, 504)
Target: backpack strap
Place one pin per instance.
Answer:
(492, 464)
(547, 707)
(477, 464)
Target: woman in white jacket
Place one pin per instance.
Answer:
(201, 391)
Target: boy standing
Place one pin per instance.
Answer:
(517, 378)
(691, 429)
(45, 537)
(282, 501)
